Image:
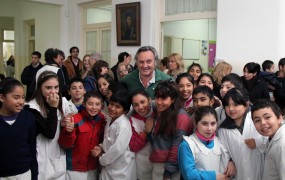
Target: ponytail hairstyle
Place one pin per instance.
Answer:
(7, 85)
(38, 95)
(165, 89)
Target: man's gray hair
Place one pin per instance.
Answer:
(97, 56)
(147, 48)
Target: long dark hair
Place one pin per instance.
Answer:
(38, 95)
(168, 117)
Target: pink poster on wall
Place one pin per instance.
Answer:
(212, 53)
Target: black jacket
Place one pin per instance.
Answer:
(28, 75)
(256, 88)
(279, 94)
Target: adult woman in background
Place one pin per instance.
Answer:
(220, 70)
(86, 66)
(256, 86)
(122, 71)
(175, 65)
(125, 58)
(10, 68)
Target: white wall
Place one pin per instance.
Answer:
(149, 28)
(250, 31)
(47, 28)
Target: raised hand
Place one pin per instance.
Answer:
(65, 120)
(53, 100)
(70, 125)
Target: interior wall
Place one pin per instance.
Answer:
(47, 28)
(149, 28)
(250, 31)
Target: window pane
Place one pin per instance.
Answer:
(32, 31)
(99, 14)
(189, 6)
(8, 50)
(8, 35)
(91, 42)
(105, 45)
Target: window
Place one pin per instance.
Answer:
(97, 29)
(8, 44)
(31, 33)
(188, 27)
(189, 6)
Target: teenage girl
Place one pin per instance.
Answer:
(238, 134)
(82, 133)
(185, 84)
(17, 134)
(165, 135)
(115, 156)
(196, 151)
(195, 70)
(49, 108)
(142, 106)
(206, 79)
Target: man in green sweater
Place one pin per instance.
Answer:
(145, 76)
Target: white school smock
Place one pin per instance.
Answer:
(215, 159)
(221, 114)
(274, 166)
(118, 161)
(143, 164)
(51, 157)
(248, 162)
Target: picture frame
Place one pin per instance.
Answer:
(128, 24)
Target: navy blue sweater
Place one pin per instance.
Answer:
(18, 146)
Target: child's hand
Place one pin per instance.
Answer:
(190, 110)
(53, 100)
(221, 177)
(250, 143)
(217, 101)
(96, 151)
(149, 125)
(66, 120)
(230, 170)
(70, 125)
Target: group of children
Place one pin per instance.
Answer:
(96, 135)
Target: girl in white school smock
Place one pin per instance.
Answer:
(238, 134)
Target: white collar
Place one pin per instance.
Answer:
(151, 81)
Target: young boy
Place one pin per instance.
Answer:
(76, 91)
(269, 76)
(229, 81)
(115, 155)
(81, 134)
(202, 96)
(268, 121)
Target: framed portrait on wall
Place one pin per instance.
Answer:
(128, 23)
